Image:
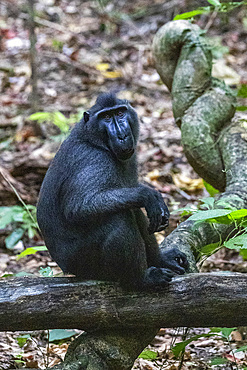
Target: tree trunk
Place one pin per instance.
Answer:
(214, 144)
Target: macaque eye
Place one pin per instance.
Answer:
(106, 116)
(120, 113)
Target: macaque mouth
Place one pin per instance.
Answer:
(126, 154)
(122, 138)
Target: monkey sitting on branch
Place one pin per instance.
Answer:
(89, 208)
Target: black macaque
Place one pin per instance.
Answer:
(89, 208)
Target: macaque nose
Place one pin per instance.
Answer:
(122, 137)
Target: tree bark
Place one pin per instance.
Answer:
(214, 143)
(46, 303)
(119, 323)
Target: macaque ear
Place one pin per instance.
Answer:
(86, 116)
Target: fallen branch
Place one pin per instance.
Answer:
(46, 303)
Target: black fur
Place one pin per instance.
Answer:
(89, 205)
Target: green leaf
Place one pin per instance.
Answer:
(148, 355)
(22, 339)
(240, 213)
(210, 189)
(239, 242)
(243, 253)
(215, 329)
(208, 202)
(221, 203)
(188, 210)
(218, 361)
(179, 348)
(226, 332)
(7, 214)
(23, 273)
(60, 334)
(241, 108)
(215, 3)
(210, 248)
(31, 232)
(209, 215)
(13, 238)
(7, 275)
(243, 348)
(19, 217)
(46, 271)
(60, 121)
(223, 216)
(20, 362)
(40, 116)
(193, 13)
(227, 7)
(242, 92)
(57, 118)
(31, 250)
(5, 219)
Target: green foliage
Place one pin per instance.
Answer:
(225, 216)
(148, 355)
(209, 249)
(218, 361)
(57, 335)
(223, 333)
(243, 253)
(238, 242)
(241, 108)
(6, 143)
(210, 189)
(18, 274)
(207, 203)
(212, 215)
(185, 211)
(57, 45)
(179, 348)
(216, 5)
(22, 219)
(243, 348)
(193, 13)
(222, 216)
(56, 118)
(22, 339)
(31, 250)
(46, 271)
(18, 360)
(242, 91)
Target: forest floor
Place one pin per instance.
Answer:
(84, 48)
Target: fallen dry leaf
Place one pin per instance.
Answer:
(185, 183)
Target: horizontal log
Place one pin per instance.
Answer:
(194, 300)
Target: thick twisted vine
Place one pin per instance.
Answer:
(203, 107)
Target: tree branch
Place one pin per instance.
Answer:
(45, 303)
